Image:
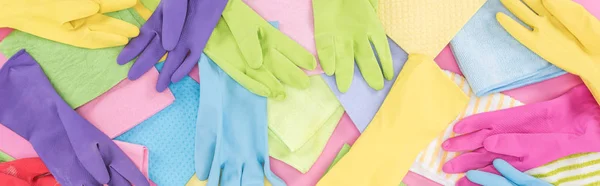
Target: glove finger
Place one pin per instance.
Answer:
(327, 53)
(174, 59)
(510, 172)
(384, 55)
(522, 12)
(266, 78)
(521, 145)
(537, 7)
(344, 65)
(295, 52)
(469, 161)
(210, 114)
(250, 46)
(232, 176)
(92, 162)
(149, 57)
(524, 35)
(243, 79)
(125, 170)
(486, 178)
(114, 5)
(273, 179)
(96, 40)
(571, 15)
(285, 70)
(252, 174)
(57, 10)
(116, 178)
(174, 12)
(497, 121)
(215, 175)
(111, 25)
(186, 67)
(464, 181)
(367, 63)
(135, 47)
(467, 142)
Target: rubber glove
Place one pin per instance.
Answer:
(567, 122)
(73, 150)
(181, 27)
(231, 138)
(79, 23)
(280, 56)
(564, 34)
(402, 128)
(31, 171)
(512, 176)
(344, 33)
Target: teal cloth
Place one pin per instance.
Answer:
(492, 60)
(78, 75)
(169, 135)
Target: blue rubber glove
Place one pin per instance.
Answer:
(231, 138)
(512, 176)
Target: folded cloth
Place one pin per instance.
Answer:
(169, 135)
(492, 60)
(344, 133)
(361, 101)
(339, 156)
(78, 75)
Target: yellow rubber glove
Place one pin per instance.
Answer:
(564, 33)
(420, 105)
(75, 22)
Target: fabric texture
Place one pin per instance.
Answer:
(425, 26)
(231, 136)
(79, 75)
(344, 133)
(409, 101)
(300, 125)
(510, 176)
(492, 60)
(171, 161)
(362, 102)
(26, 171)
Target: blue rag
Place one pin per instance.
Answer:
(362, 102)
(492, 60)
(169, 135)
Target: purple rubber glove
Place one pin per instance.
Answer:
(75, 151)
(527, 136)
(177, 26)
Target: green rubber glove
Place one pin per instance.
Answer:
(256, 54)
(344, 33)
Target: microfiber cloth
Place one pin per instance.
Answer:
(169, 135)
(78, 75)
(303, 158)
(492, 60)
(303, 113)
(5, 157)
(361, 101)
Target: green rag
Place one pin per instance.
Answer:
(150, 4)
(79, 75)
(5, 157)
(339, 156)
(301, 125)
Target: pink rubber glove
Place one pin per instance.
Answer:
(527, 136)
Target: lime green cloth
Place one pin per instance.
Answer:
(150, 4)
(78, 75)
(5, 157)
(300, 125)
(339, 156)
(402, 184)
